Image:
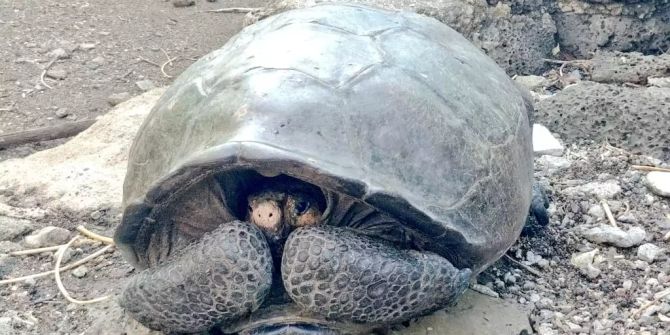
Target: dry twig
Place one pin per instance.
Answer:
(149, 61)
(524, 266)
(34, 251)
(59, 283)
(67, 267)
(657, 298)
(608, 212)
(44, 72)
(169, 61)
(235, 10)
(649, 168)
(90, 234)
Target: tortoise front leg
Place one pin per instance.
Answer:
(341, 274)
(223, 276)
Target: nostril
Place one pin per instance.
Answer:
(270, 214)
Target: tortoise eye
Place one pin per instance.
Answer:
(301, 207)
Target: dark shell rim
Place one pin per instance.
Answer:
(266, 157)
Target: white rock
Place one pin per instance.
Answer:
(544, 143)
(648, 252)
(584, 262)
(659, 82)
(596, 211)
(145, 85)
(552, 164)
(80, 271)
(606, 234)
(86, 173)
(659, 183)
(601, 190)
(47, 236)
(532, 83)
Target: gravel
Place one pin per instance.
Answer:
(11, 228)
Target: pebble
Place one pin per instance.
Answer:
(532, 83)
(627, 284)
(30, 282)
(183, 3)
(659, 82)
(606, 234)
(145, 85)
(544, 143)
(86, 46)
(11, 228)
(57, 74)
(58, 53)
(596, 211)
(601, 190)
(509, 278)
(62, 112)
(47, 236)
(118, 98)
(80, 271)
(552, 164)
(66, 256)
(648, 252)
(584, 262)
(627, 217)
(96, 63)
(659, 183)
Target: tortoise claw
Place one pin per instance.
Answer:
(344, 275)
(223, 276)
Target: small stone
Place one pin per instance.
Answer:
(532, 83)
(544, 143)
(96, 63)
(627, 284)
(648, 252)
(528, 285)
(30, 282)
(596, 211)
(534, 297)
(47, 236)
(118, 98)
(546, 329)
(584, 262)
(80, 271)
(62, 112)
(659, 183)
(659, 82)
(543, 263)
(145, 85)
(56, 74)
(86, 46)
(606, 234)
(552, 164)
(641, 265)
(11, 228)
(58, 53)
(627, 217)
(499, 284)
(66, 256)
(601, 190)
(183, 3)
(509, 278)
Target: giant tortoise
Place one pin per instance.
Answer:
(329, 170)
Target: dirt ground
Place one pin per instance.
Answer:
(109, 46)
